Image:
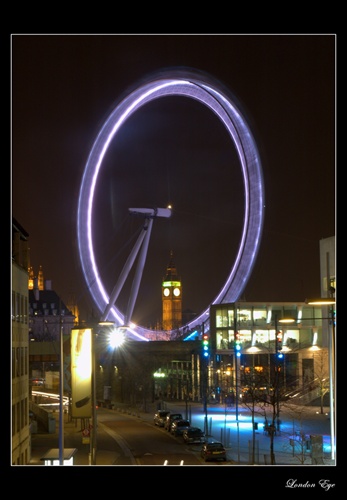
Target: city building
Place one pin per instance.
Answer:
(295, 337)
(21, 447)
(48, 314)
(252, 336)
(38, 316)
(49, 318)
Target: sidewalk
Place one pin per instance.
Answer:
(43, 441)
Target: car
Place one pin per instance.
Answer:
(193, 435)
(159, 417)
(170, 418)
(179, 426)
(38, 381)
(213, 451)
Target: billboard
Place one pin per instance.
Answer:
(81, 372)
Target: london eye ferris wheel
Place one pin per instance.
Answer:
(105, 288)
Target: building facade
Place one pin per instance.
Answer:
(247, 336)
(252, 336)
(20, 425)
(49, 318)
(38, 316)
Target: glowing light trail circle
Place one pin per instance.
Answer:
(204, 89)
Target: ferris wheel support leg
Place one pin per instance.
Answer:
(124, 274)
(138, 275)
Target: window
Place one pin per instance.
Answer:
(25, 320)
(224, 317)
(17, 417)
(244, 315)
(13, 362)
(259, 315)
(17, 306)
(26, 361)
(21, 309)
(13, 305)
(17, 362)
(22, 361)
(13, 419)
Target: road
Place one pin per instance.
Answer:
(128, 438)
(148, 444)
(122, 439)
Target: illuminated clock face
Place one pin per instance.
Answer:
(166, 292)
(177, 292)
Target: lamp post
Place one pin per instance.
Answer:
(93, 441)
(205, 363)
(332, 384)
(279, 355)
(331, 350)
(278, 348)
(237, 355)
(61, 395)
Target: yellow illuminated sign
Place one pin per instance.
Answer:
(81, 373)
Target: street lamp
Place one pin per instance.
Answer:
(329, 302)
(116, 337)
(237, 355)
(94, 415)
(61, 396)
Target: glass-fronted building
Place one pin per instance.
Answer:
(260, 337)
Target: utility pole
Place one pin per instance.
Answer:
(278, 355)
(61, 393)
(205, 360)
(237, 354)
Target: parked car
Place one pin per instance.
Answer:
(159, 417)
(213, 451)
(38, 381)
(170, 418)
(193, 435)
(179, 426)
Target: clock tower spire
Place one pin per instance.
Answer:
(171, 293)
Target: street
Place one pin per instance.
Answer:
(128, 437)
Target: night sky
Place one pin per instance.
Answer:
(174, 150)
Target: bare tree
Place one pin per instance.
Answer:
(321, 375)
(265, 393)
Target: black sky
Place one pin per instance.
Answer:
(174, 151)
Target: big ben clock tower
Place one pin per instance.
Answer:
(171, 295)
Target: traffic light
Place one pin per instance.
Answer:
(237, 344)
(205, 345)
(279, 338)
